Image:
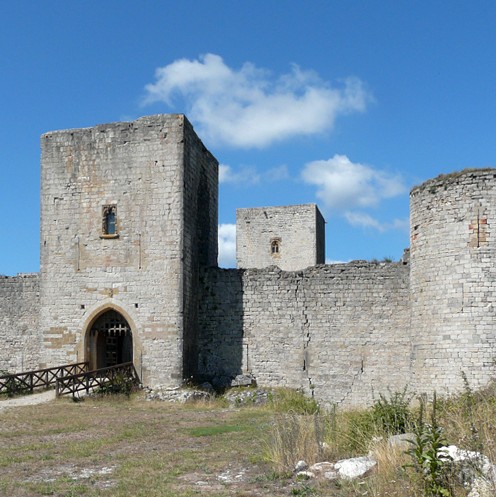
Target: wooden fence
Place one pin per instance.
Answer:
(122, 377)
(26, 382)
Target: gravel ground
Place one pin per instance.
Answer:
(28, 400)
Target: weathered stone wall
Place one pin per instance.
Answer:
(453, 280)
(298, 230)
(201, 179)
(19, 330)
(344, 333)
(139, 167)
(340, 332)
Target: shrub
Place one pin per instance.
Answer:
(118, 384)
(429, 461)
(392, 414)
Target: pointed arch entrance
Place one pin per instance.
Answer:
(109, 340)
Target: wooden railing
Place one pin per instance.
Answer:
(26, 382)
(114, 378)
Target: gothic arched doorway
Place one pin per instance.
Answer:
(109, 341)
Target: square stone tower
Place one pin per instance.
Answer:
(291, 237)
(128, 216)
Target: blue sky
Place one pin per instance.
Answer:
(344, 103)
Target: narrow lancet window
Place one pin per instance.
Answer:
(275, 247)
(109, 220)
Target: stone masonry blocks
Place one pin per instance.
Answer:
(291, 237)
(344, 333)
(156, 172)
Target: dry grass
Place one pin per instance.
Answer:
(295, 437)
(132, 447)
(467, 421)
(118, 447)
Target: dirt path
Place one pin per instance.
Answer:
(29, 400)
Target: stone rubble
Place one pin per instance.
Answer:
(473, 468)
(240, 393)
(238, 398)
(176, 394)
(300, 466)
(348, 469)
(355, 467)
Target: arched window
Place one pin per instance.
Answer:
(109, 220)
(275, 246)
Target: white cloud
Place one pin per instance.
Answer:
(344, 185)
(227, 245)
(335, 261)
(347, 188)
(400, 224)
(245, 175)
(365, 220)
(278, 173)
(249, 107)
(248, 175)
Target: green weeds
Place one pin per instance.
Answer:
(287, 400)
(392, 413)
(430, 461)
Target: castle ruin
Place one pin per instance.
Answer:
(129, 272)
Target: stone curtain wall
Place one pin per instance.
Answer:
(19, 331)
(340, 332)
(298, 229)
(343, 332)
(453, 280)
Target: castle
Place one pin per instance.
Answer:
(129, 272)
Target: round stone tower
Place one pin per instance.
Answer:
(453, 280)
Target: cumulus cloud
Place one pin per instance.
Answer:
(347, 188)
(364, 220)
(278, 173)
(227, 245)
(250, 175)
(342, 184)
(245, 175)
(250, 107)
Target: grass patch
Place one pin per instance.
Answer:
(210, 431)
(152, 449)
(121, 447)
(288, 400)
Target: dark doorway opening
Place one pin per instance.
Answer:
(110, 341)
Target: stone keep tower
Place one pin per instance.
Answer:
(291, 237)
(128, 216)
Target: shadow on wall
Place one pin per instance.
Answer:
(222, 354)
